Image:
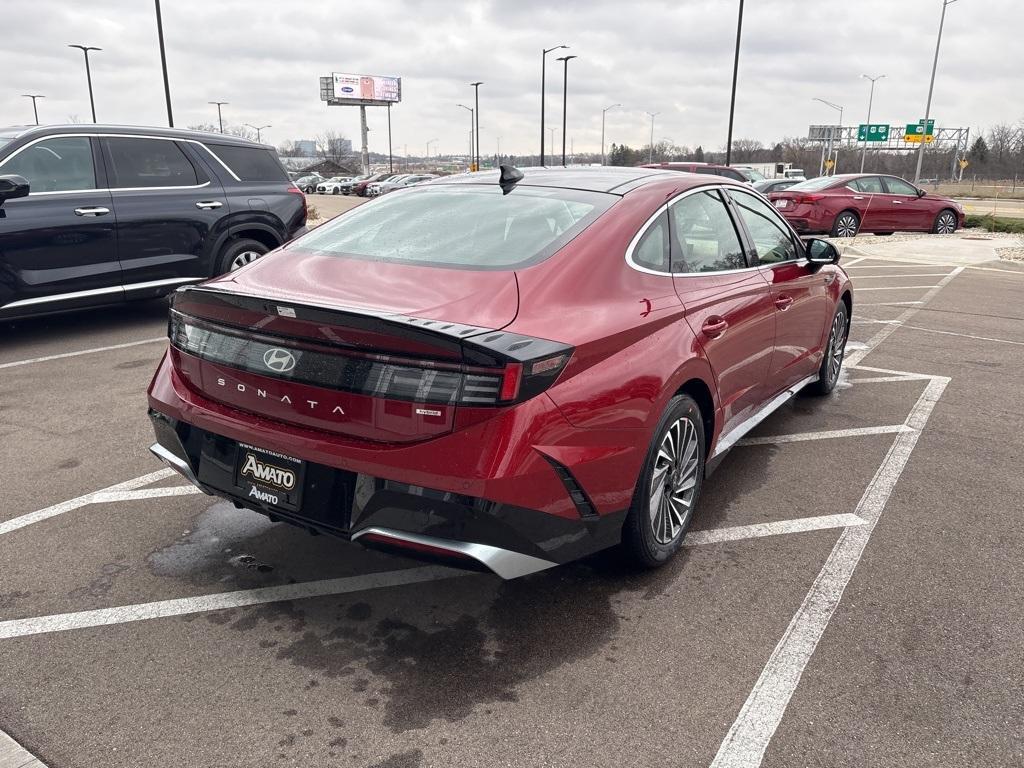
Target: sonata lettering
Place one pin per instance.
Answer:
(313, 405)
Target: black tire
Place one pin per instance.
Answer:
(236, 249)
(841, 227)
(835, 350)
(645, 543)
(945, 223)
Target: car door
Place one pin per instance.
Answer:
(798, 288)
(57, 246)
(872, 203)
(728, 305)
(908, 211)
(166, 207)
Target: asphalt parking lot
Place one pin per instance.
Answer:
(850, 593)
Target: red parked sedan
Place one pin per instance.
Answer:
(844, 205)
(511, 372)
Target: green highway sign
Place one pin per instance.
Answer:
(873, 132)
(918, 128)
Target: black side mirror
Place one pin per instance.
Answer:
(821, 251)
(11, 187)
(921, 193)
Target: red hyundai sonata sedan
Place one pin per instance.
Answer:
(509, 372)
(844, 205)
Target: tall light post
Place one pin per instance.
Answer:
(34, 96)
(432, 141)
(732, 98)
(220, 118)
(476, 105)
(88, 73)
(470, 109)
(650, 153)
(543, 64)
(259, 129)
(830, 135)
(603, 113)
(497, 151)
(871, 98)
(552, 131)
(931, 87)
(163, 62)
(565, 96)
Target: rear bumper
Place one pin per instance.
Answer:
(472, 497)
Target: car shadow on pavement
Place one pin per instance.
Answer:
(66, 326)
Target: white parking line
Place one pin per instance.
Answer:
(893, 288)
(883, 379)
(143, 493)
(893, 277)
(161, 609)
(800, 437)
(758, 719)
(892, 304)
(13, 755)
(776, 528)
(907, 265)
(81, 352)
(66, 506)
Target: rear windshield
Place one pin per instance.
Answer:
(813, 185)
(461, 225)
(251, 163)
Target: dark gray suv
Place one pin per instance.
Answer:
(94, 214)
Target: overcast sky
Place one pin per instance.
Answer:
(673, 57)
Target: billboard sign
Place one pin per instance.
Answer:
(348, 88)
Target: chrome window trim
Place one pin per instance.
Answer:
(99, 292)
(87, 135)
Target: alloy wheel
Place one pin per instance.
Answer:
(946, 224)
(837, 347)
(674, 481)
(243, 258)
(847, 225)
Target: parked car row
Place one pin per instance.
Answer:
(378, 188)
(332, 185)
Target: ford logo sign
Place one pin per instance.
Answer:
(347, 89)
(279, 360)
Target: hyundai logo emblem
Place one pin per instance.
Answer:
(279, 360)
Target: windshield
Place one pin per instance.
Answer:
(813, 185)
(464, 225)
(749, 174)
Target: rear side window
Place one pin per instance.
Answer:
(140, 163)
(251, 163)
(461, 225)
(771, 236)
(652, 249)
(55, 165)
(703, 236)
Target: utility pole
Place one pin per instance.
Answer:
(88, 73)
(476, 104)
(650, 152)
(871, 98)
(391, 159)
(220, 117)
(732, 98)
(163, 63)
(543, 63)
(931, 87)
(603, 112)
(565, 92)
(831, 134)
(364, 131)
(34, 96)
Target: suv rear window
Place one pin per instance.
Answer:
(461, 225)
(251, 163)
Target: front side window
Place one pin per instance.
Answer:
(55, 165)
(137, 163)
(704, 236)
(900, 187)
(461, 225)
(770, 234)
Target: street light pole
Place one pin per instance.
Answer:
(732, 98)
(88, 73)
(931, 87)
(543, 64)
(650, 152)
(603, 112)
(163, 63)
(34, 96)
(831, 136)
(259, 131)
(220, 118)
(428, 149)
(471, 113)
(871, 98)
(565, 94)
(476, 104)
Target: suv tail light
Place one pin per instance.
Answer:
(305, 208)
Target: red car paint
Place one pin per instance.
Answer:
(881, 203)
(637, 339)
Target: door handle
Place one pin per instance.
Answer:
(897, 202)
(783, 302)
(858, 197)
(208, 204)
(97, 211)
(714, 326)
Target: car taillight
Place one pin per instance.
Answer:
(805, 199)
(296, 191)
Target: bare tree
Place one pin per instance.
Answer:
(331, 145)
(745, 150)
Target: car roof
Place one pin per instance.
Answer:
(33, 131)
(614, 179)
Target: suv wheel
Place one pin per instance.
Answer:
(238, 253)
(669, 486)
